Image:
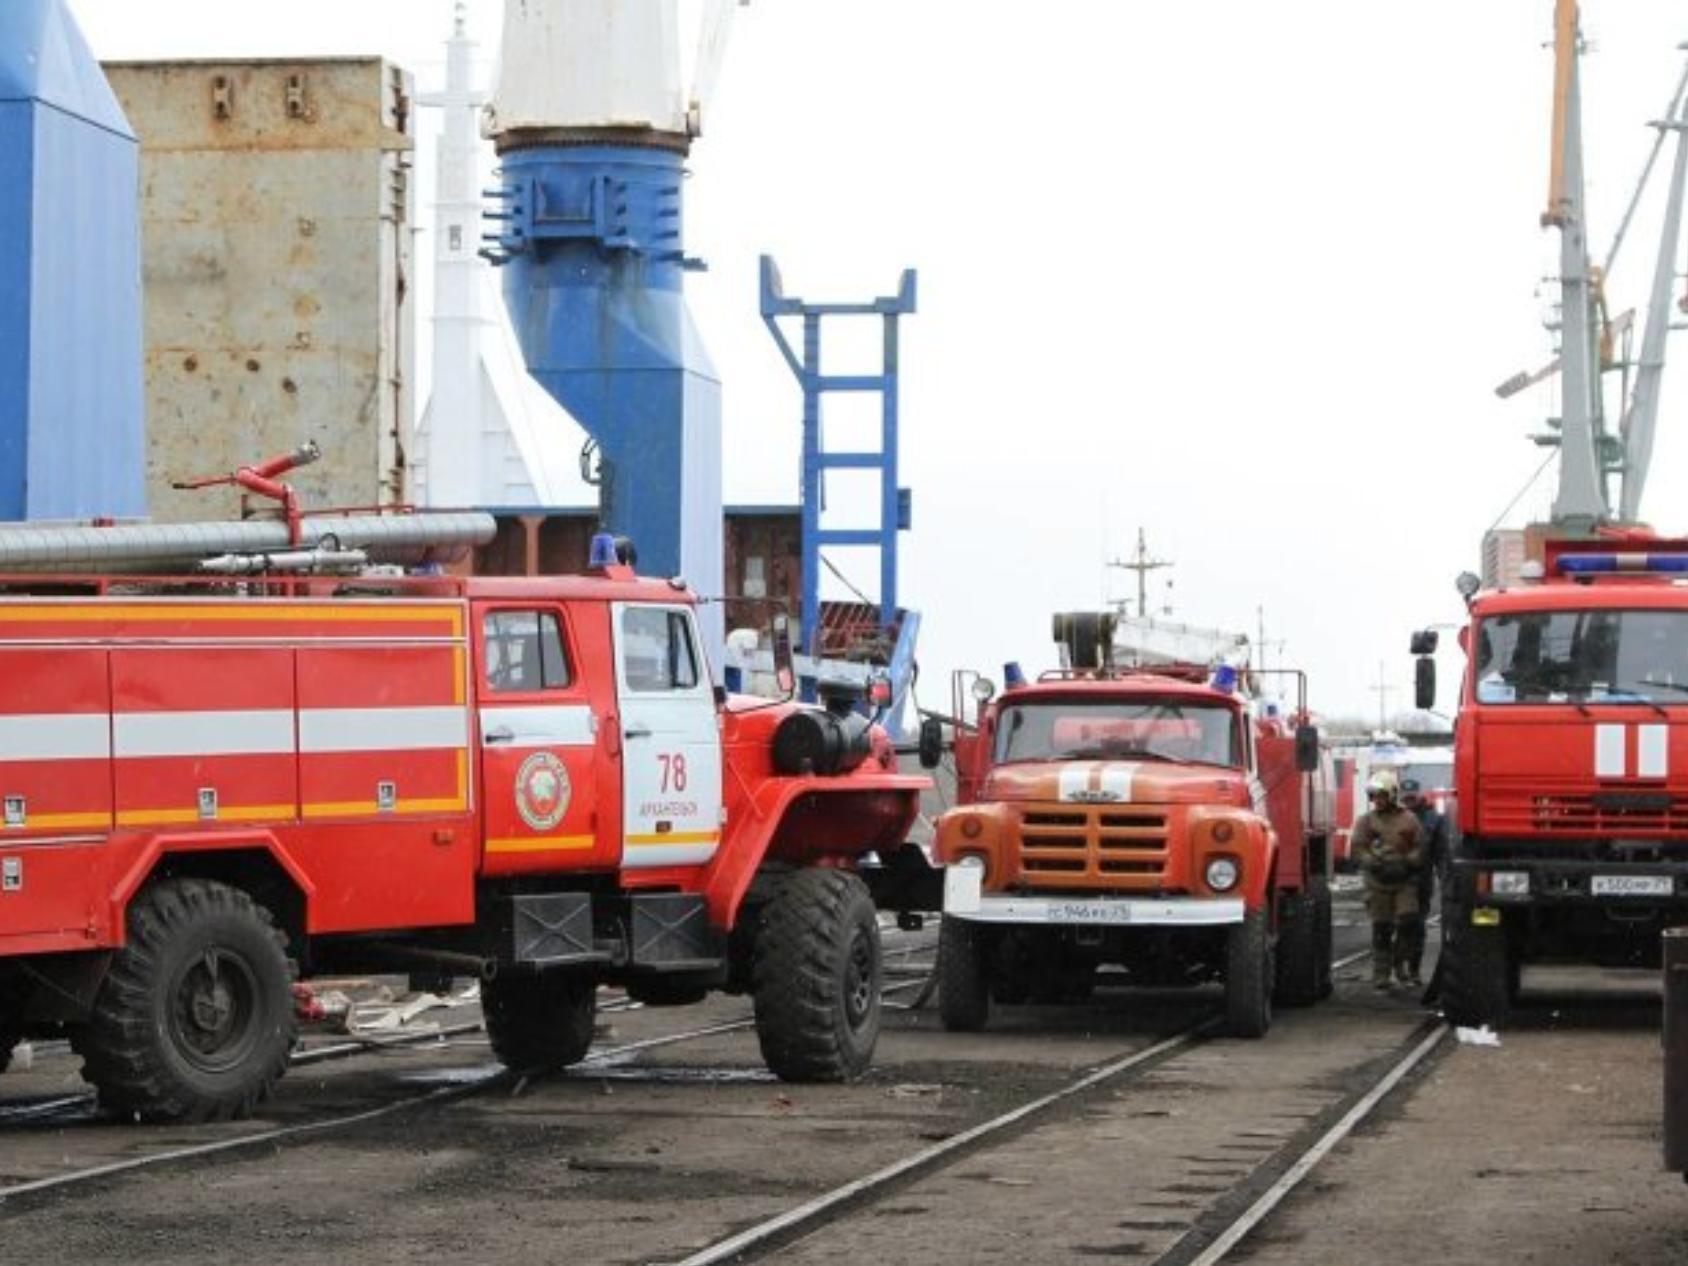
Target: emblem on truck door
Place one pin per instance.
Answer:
(543, 791)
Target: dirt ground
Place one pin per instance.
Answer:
(1544, 1150)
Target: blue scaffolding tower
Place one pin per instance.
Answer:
(895, 503)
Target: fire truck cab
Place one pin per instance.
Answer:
(212, 786)
(1155, 820)
(1571, 769)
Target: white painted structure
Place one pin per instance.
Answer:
(489, 436)
(589, 64)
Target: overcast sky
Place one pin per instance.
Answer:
(1242, 274)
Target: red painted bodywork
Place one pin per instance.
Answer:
(183, 655)
(1160, 841)
(1527, 771)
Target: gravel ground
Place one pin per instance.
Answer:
(1544, 1150)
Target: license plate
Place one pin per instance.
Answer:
(1633, 886)
(1085, 912)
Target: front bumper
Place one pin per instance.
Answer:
(1567, 882)
(963, 899)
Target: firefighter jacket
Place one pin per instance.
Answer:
(1389, 844)
(1434, 826)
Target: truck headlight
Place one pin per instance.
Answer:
(1509, 883)
(1222, 874)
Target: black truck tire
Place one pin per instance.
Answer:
(816, 977)
(964, 987)
(541, 1021)
(11, 1025)
(1249, 976)
(194, 1020)
(1297, 958)
(1479, 976)
(1324, 938)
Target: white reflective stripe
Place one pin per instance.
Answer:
(1117, 780)
(645, 856)
(382, 729)
(543, 725)
(1609, 751)
(252, 733)
(1652, 751)
(1074, 783)
(55, 736)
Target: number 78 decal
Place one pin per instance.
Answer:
(673, 770)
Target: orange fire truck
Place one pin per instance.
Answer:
(1150, 818)
(214, 784)
(1570, 768)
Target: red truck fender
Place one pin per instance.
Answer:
(886, 805)
(159, 847)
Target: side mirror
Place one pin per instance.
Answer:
(1424, 642)
(1424, 683)
(1307, 748)
(931, 743)
(785, 661)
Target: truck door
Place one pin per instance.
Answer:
(671, 739)
(543, 771)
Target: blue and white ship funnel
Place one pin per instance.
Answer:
(593, 129)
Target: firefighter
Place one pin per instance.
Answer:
(1389, 843)
(1434, 827)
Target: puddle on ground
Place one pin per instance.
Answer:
(675, 1075)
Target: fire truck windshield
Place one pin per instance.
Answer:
(1580, 657)
(1140, 729)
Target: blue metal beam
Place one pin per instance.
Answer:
(894, 501)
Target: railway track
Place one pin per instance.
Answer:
(81, 1107)
(1207, 1239)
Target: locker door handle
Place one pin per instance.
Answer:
(503, 734)
(638, 731)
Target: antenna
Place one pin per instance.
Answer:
(1141, 563)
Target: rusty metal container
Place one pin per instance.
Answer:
(1676, 1050)
(276, 210)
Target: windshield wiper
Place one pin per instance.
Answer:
(1143, 753)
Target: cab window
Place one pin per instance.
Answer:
(524, 652)
(658, 653)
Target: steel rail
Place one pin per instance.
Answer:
(608, 1056)
(1292, 1178)
(833, 1204)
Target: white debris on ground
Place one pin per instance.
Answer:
(366, 1008)
(1484, 1036)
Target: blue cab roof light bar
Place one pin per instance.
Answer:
(1623, 563)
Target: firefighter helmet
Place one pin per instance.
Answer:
(1381, 783)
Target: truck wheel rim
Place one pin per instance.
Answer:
(212, 1009)
(859, 979)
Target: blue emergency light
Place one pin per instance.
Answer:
(1013, 675)
(1224, 678)
(1606, 564)
(603, 552)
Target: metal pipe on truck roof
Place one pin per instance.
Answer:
(396, 539)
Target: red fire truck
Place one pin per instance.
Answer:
(212, 785)
(1571, 769)
(1154, 819)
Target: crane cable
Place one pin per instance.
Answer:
(1528, 484)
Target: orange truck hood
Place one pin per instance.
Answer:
(1115, 782)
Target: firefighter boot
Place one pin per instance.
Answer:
(1409, 949)
(1382, 954)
